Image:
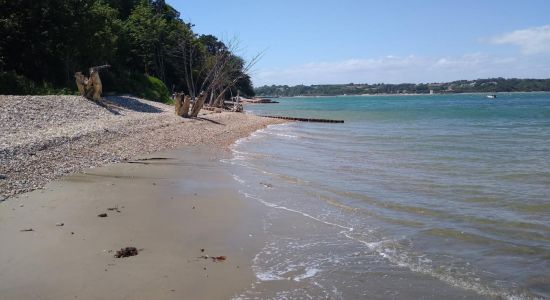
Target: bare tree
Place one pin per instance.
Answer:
(232, 75)
(217, 73)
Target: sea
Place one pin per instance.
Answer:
(413, 197)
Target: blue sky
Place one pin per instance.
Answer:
(320, 42)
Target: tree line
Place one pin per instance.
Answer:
(491, 85)
(152, 51)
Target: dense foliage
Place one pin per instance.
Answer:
(491, 85)
(43, 43)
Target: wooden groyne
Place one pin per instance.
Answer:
(306, 119)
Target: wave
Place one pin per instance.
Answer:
(389, 249)
(273, 205)
(421, 217)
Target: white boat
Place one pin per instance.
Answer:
(493, 96)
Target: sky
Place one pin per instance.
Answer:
(389, 41)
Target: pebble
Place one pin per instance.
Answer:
(70, 136)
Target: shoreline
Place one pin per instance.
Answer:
(163, 188)
(48, 137)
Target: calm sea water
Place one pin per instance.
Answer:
(413, 197)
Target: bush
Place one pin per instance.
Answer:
(140, 85)
(13, 84)
(156, 90)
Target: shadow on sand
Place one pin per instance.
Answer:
(115, 104)
(211, 121)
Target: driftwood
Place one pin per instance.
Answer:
(178, 103)
(199, 102)
(80, 83)
(237, 107)
(91, 87)
(182, 104)
(186, 105)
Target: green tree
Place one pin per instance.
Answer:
(146, 30)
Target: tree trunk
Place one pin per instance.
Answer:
(178, 104)
(92, 87)
(182, 105)
(185, 108)
(211, 98)
(221, 95)
(220, 100)
(97, 86)
(80, 83)
(199, 102)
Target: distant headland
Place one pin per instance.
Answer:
(490, 85)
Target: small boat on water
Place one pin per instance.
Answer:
(492, 96)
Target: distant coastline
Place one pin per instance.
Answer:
(490, 85)
(396, 95)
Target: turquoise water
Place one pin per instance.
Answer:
(443, 194)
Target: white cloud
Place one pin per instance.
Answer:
(414, 69)
(534, 40)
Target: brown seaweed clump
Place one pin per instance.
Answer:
(126, 252)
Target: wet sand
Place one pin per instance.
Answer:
(170, 209)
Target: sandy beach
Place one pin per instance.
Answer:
(178, 208)
(46, 137)
(176, 211)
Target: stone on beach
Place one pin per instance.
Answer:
(46, 137)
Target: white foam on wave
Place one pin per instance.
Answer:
(239, 141)
(273, 205)
(267, 276)
(238, 179)
(281, 130)
(283, 135)
(241, 153)
(385, 250)
(279, 268)
(424, 266)
(236, 148)
(290, 136)
(245, 139)
(310, 272)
